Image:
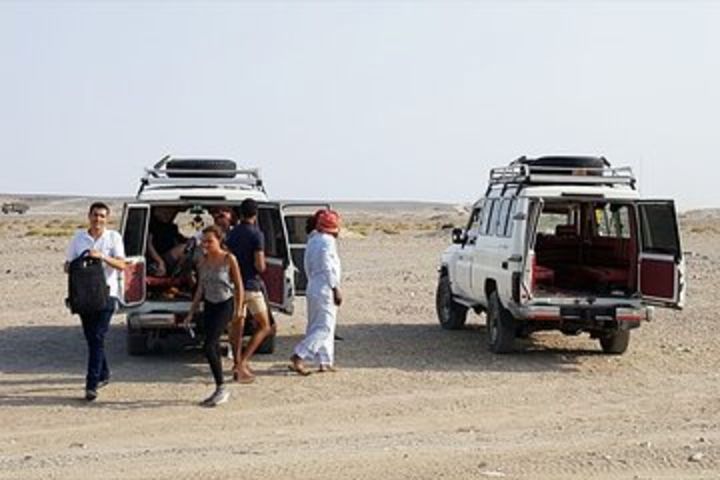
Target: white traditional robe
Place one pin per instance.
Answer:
(322, 266)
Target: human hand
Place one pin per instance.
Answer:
(337, 296)
(95, 254)
(160, 270)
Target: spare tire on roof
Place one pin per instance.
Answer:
(566, 164)
(188, 168)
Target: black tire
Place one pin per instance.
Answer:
(615, 343)
(267, 346)
(500, 326)
(452, 315)
(566, 162)
(137, 343)
(191, 165)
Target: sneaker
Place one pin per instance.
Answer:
(219, 396)
(103, 383)
(90, 395)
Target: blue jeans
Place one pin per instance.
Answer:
(95, 327)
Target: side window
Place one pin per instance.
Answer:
(135, 229)
(502, 217)
(473, 228)
(510, 222)
(488, 225)
(556, 221)
(270, 223)
(613, 221)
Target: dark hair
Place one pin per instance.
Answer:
(311, 222)
(215, 230)
(98, 206)
(248, 208)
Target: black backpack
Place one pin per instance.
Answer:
(87, 290)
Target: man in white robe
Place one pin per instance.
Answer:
(323, 295)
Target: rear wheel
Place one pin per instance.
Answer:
(268, 345)
(615, 343)
(500, 326)
(452, 315)
(137, 343)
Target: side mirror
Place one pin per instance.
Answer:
(458, 235)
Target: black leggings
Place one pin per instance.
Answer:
(216, 317)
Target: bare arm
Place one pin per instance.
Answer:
(239, 289)
(195, 302)
(155, 256)
(116, 263)
(260, 264)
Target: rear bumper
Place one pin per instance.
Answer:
(586, 317)
(155, 321)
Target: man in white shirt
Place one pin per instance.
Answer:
(106, 245)
(322, 267)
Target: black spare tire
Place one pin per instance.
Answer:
(566, 164)
(188, 168)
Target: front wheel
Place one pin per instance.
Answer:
(500, 326)
(452, 315)
(615, 343)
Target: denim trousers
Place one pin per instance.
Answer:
(95, 327)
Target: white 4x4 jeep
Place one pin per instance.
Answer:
(562, 243)
(156, 306)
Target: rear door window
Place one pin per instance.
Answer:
(658, 227)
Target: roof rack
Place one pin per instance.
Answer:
(523, 174)
(162, 177)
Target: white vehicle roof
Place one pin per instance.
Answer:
(201, 193)
(528, 180)
(164, 182)
(613, 193)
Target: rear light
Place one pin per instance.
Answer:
(530, 272)
(629, 315)
(516, 281)
(544, 313)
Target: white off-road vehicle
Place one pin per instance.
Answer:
(156, 305)
(562, 243)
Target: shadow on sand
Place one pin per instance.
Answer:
(46, 351)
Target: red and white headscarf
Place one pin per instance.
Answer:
(327, 221)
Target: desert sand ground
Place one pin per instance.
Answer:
(410, 400)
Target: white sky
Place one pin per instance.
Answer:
(358, 101)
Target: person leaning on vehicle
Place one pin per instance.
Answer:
(106, 245)
(247, 243)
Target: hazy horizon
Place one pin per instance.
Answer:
(391, 101)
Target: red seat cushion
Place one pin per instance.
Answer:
(543, 274)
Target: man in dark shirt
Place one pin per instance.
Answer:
(247, 243)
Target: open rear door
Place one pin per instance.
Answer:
(278, 276)
(134, 229)
(296, 216)
(661, 267)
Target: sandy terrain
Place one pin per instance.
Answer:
(411, 400)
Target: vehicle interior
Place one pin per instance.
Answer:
(587, 247)
(177, 283)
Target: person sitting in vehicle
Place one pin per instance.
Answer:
(166, 245)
